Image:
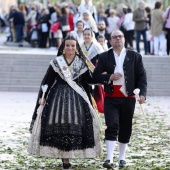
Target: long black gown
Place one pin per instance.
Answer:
(67, 128)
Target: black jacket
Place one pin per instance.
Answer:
(134, 72)
(18, 18)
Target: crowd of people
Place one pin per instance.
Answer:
(47, 27)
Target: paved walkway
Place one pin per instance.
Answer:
(19, 106)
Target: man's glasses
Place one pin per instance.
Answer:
(117, 36)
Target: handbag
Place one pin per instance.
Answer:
(148, 35)
(55, 27)
(65, 27)
(164, 28)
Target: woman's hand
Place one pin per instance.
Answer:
(41, 101)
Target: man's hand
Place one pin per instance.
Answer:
(115, 76)
(141, 99)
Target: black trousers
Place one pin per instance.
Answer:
(168, 41)
(43, 39)
(129, 35)
(118, 116)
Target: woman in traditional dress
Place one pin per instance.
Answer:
(102, 41)
(68, 127)
(88, 21)
(91, 48)
(88, 5)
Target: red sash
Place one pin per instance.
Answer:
(117, 92)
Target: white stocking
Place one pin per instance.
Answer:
(65, 160)
(122, 150)
(110, 145)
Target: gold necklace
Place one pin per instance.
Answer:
(86, 51)
(70, 67)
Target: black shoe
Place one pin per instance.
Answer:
(122, 163)
(108, 165)
(66, 165)
(20, 45)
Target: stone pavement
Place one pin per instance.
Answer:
(18, 106)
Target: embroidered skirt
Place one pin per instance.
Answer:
(67, 128)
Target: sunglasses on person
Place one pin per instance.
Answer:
(117, 36)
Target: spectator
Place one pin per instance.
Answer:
(2, 22)
(78, 32)
(19, 22)
(101, 40)
(121, 20)
(71, 19)
(53, 15)
(101, 16)
(89, 21)
(22, 9)
(31, 18)
(12, 35)
(140, 19)
(88, 5)
(156, 29)
(148, 34)
(91, 47)
(76, 17)
(129, 28)
(65, 27)
(166, 16)
(43, 28)
(102, 32)
(107, 11)
(112, 21)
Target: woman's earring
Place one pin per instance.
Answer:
(77, 52)
(64, 51)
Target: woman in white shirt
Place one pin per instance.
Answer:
(112, 21)
(129, 26)
(78, 32)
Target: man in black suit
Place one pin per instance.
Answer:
(102, 31)
(121, 71)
